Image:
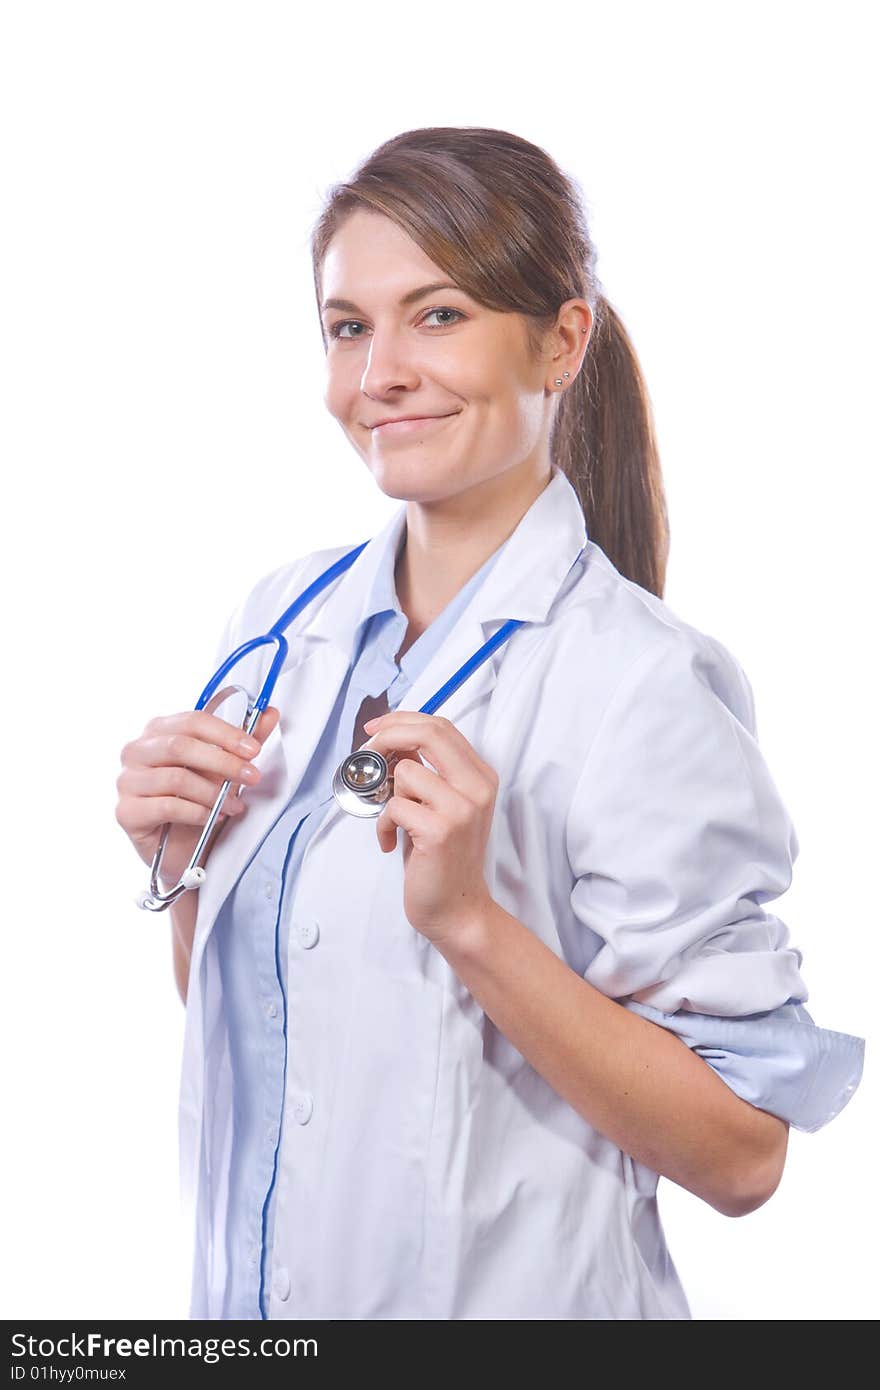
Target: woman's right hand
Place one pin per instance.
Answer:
(172, 775)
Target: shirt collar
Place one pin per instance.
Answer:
(381, 596)
(523, 584)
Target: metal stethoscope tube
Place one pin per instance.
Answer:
(193, 876)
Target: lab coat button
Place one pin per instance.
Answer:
(302, 1108)
(308, 933)
(272, 1009)
(281, 1283)
(269, 890)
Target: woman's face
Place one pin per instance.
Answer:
(441, 355)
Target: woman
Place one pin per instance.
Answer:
(433, 1064)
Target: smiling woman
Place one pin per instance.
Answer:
(435, 1069)
(443, 395)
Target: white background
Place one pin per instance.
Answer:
(165, 443)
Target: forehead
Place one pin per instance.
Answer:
(369, 251)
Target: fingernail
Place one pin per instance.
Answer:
(248, 745)
(370, 722)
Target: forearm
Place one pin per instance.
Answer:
(635, 1082)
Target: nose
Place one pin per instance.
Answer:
(388, 365)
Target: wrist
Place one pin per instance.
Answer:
(469, 935)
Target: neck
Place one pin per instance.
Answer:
(445, 543)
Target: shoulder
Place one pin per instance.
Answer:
(671, 748)
(640, 643)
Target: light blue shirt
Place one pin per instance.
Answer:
(769, 1059)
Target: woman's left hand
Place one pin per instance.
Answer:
(447, 815)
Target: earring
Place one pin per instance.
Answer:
(566, 374)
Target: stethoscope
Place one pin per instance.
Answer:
(363, 782)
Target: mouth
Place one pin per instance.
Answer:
(420, 425)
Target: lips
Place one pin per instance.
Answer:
(418, 425)
(411, 419)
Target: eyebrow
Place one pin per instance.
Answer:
(407, 298)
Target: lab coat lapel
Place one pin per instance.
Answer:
(304, 695)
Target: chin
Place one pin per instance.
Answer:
(418, 478)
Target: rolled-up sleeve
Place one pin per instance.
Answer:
(677, 839)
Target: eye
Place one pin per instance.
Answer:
(335, 330)
(456, 312)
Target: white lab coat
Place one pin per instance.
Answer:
(427, 1171)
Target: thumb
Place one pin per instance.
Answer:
(386, 832)
(267, 721)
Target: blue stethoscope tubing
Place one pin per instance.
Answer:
(193, 876)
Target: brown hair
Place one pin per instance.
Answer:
(506, 224)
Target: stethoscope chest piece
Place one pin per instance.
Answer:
(362, 783)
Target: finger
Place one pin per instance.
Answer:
(412, 779)
(175, 781)
(210, 728)
(267, 721)
(415, 717)
(416, 820)
(266, 724)
(140, 814)
(187, 751)
(445, 748)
